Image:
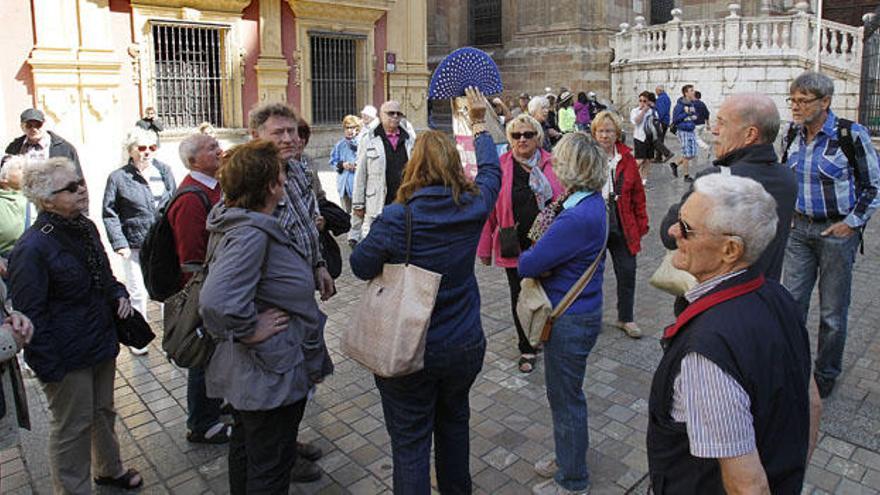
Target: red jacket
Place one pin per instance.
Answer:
(631, 204)
(502, 215)
(188, 217)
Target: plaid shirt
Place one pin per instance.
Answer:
(297, 212)
(829, 187)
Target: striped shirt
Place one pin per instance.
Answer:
(298, 210)
(712, 404)
(829, 187)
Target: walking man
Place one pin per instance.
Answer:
(684, 117)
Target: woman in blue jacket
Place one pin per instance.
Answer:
(558, 259)
(448, 213)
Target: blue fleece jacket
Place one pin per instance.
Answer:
(682, 117)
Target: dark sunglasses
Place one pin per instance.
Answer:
(394, 114)
(518, 135)
(72, 186)
(151, 147)
(33, 124)
(685, 228)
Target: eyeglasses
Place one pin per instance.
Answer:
(72, 186)
(685, 229)
(151, 147)
(399, 115)
(351, 127)
(518, 135)
(33, 124)
(799, 102)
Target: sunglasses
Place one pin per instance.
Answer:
(151, 147)
(394, 114)
(686, 229)
(72, 186)
(518, 135)
(33, 124)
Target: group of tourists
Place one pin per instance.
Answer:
(754, 230)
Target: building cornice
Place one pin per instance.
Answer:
(236, 6)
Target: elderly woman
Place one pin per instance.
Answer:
(13, 205)
(528, 185)
(625, 196)
(133, 196)
(448, 213)
(574, 240)
(258, 303)
(539, 109)
(740, 351)
(16, 331)
(60, 278)
(343, 160)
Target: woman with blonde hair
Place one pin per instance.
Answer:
(528, 185)
(343, 160)
(574, 240)
(447, 215)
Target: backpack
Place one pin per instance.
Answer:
(844, 140)
(159, 263)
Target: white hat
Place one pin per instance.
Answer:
(370, 111)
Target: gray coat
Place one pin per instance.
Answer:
(256, 267)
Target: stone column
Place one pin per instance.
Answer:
(732, 29)
(272, 68)
(407, 28)
(673, 33)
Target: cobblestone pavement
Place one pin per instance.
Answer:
(510, 418)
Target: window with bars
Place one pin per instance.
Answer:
(485, 25)
(335, 82)
(189, 74)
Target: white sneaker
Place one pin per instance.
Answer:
(546, 468)
(551, 487)
(139, 352)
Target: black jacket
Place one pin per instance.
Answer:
(58, 147)
(758, 162)
(129, 206)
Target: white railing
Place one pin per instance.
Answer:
(785, 37)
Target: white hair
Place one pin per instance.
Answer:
(11, 163)
(138, 137)
(38, 178)
(190, 147)
(537, 103)
(740, 207)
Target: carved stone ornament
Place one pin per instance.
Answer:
(134, 52)
(212, 5)
(352, 12)
(100, 102)
(57, 103)
(297, 67)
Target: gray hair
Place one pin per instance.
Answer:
(138, 136)
(740, 207)
(13, 162)
(758, 110)
(537, 103)
(259, 115)
(528, 120)
(813, 83)
(190, 147)
(38, 178)
(579, 162)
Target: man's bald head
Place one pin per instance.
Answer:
(659, 89)
(744, 120)
(390, 115)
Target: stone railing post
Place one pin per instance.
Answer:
(732, 28)
(621, 50)
(800, 30)
(673, 33)
(636, 37)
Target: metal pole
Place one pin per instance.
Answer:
(818, 34)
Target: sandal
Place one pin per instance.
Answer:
(527, 363)
(124, 481)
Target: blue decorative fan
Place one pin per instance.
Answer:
(463, 68)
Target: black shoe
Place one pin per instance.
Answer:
(669, 156)
(825, 385)
(674, 167)
(308, 451)
(217, 437)
(688, 178)
(305, 471)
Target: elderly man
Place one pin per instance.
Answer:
(745, 129)
(38, 143)
(732, 406)
(187, 215)
(382, 153)
(150, 122)
(837, 178)
(279, 123)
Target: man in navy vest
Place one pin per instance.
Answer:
(733, 407)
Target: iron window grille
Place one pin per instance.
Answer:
(869, 97)
(485, 25)
(336, 72)
(190, 76)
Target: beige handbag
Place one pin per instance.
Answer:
(388, 333)
(670, 279)
(534, 309)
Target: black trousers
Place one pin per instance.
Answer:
(625, 274)
(513, 280)
(262, 449)
(660, 149)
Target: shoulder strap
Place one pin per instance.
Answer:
(408, 211)
(789, 139)
(578, 287)
(845, 140)
(203, 196)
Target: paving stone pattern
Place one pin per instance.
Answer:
(510, 419)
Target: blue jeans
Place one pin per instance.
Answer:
(432, 401)
(807, 256)
(565, 363)
(203, 412)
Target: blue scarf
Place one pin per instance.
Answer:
(538, 182)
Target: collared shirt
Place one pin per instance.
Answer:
(712, 404)
(298, 210)
(393, 138)
(575, 198)
(828, 187)
(207, 180)
(612, 172)
(38, 151)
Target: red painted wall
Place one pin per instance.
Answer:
(381, 36)
(288, 47)
(250, 39)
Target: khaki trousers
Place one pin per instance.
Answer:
(82, 428)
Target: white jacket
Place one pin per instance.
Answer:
(369, 177)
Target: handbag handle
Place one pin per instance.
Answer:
(408, 215)
(572, 294)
